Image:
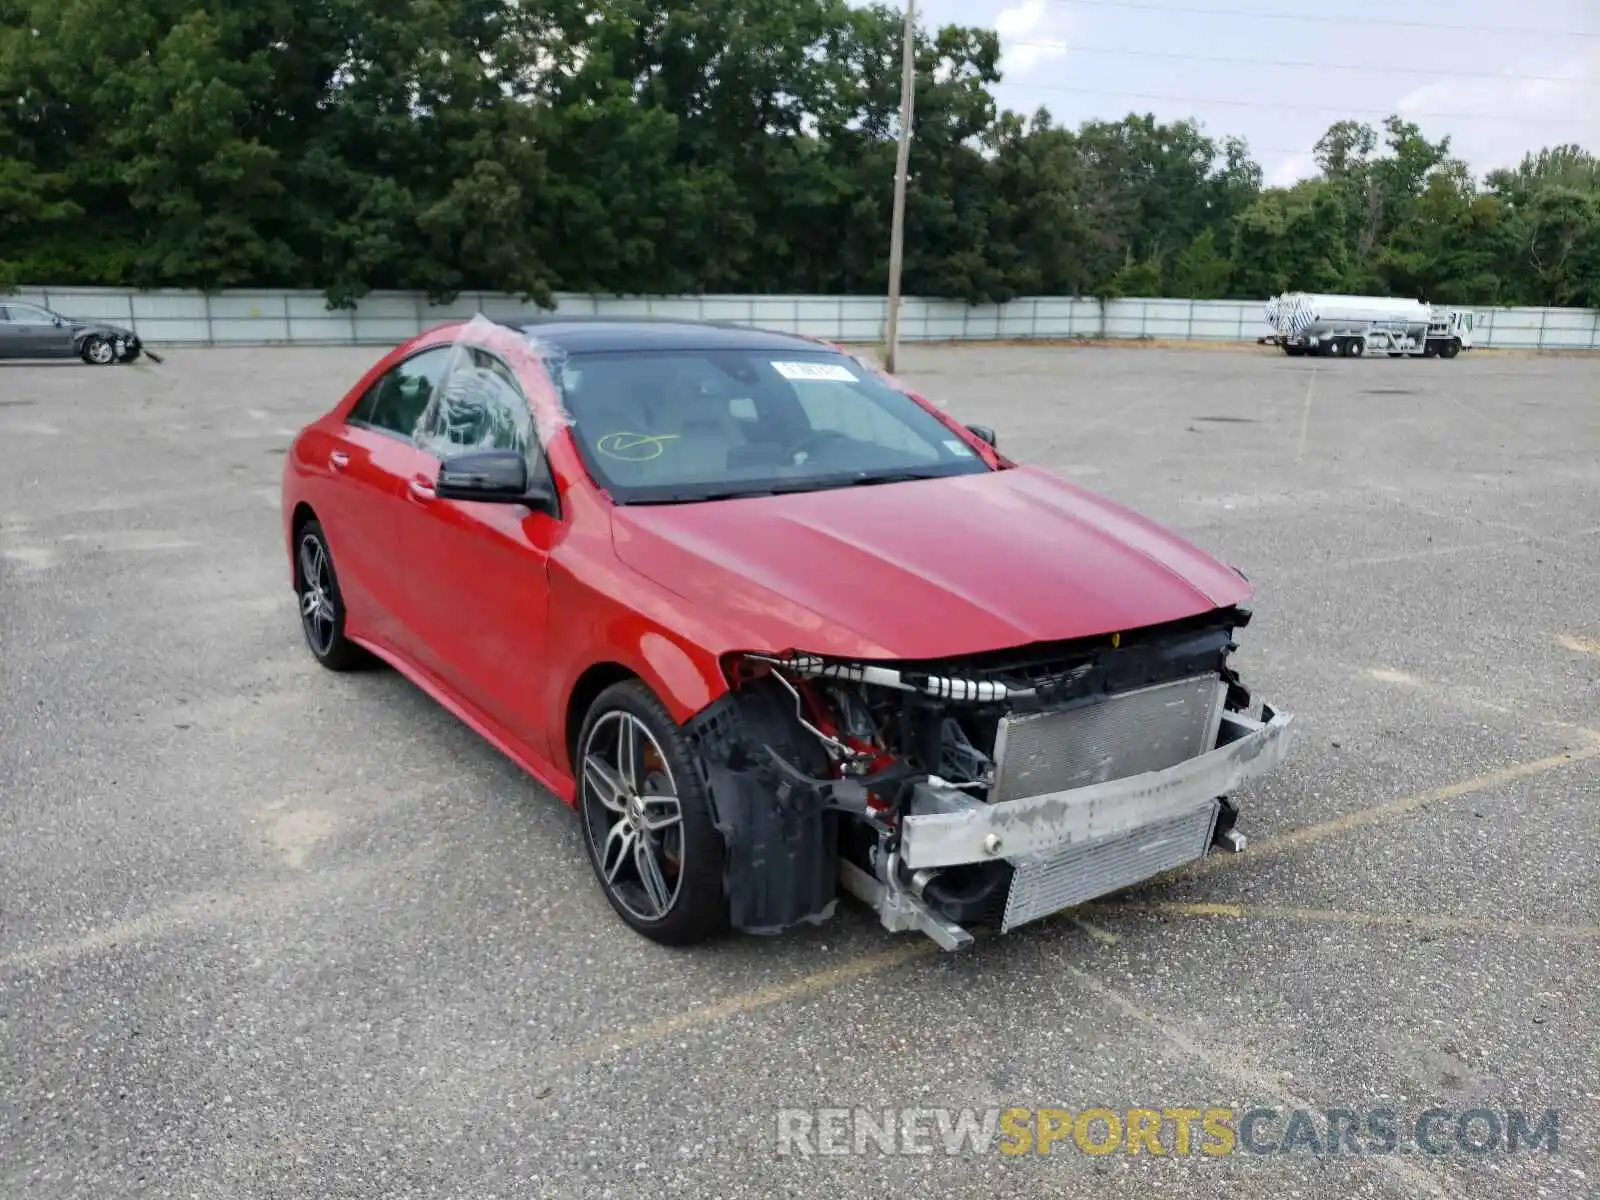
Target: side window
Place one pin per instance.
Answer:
(397, 401)
(841, 409)
(26, 314)
(478, 407)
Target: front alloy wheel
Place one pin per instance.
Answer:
(98, 352)
(646, 821)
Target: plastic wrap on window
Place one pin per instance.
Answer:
(539, 369)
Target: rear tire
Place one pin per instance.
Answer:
(316, 588)
(1355, 348)
(647, 819)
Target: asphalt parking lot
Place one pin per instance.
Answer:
(270, 932)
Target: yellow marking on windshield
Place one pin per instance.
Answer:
(634, 447)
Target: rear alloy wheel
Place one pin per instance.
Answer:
(321, 606)
(1355, 348)
(98, 352)
(646, 820)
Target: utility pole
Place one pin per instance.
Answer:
(897, 230)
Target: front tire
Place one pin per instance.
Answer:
(321, 605)
(98, 352)
(647, 819)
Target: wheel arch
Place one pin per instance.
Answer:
(302, 516)
(683, 679)
(580, 699)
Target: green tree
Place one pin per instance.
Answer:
(1201, 272)
(689, 145)
(1135, 279)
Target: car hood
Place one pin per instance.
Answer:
(925, 569)
(80, 326)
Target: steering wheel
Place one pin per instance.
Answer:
(813, 439)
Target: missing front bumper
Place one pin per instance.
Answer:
(1246, 749)
(1067, 847)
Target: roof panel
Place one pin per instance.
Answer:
(578, 335)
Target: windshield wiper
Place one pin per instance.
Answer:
(865, 480)
(821, 483)
(698, 497)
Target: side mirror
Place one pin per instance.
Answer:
(490, 477)
(983, 433)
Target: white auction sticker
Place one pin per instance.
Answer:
(810, 371)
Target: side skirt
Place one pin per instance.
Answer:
(546, 775)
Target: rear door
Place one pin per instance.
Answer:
(372, 455)
(41, 334)
(478, 590)
(11, 343)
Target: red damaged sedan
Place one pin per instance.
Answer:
(775, 626)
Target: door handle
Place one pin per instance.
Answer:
(338, 460)
(422, 490)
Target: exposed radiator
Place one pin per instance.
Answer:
(1110, 737)
(1046, 883)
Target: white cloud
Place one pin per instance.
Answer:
(1559, 106)
(1037, 23)
(1292, 170)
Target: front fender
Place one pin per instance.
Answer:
(591, 628)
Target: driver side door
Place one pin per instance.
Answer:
(476, 584)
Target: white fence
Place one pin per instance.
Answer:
(251, 318)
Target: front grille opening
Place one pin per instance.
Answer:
(1087, 667)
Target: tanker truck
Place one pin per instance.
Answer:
(1351, 326)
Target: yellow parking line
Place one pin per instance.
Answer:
(1466, 697)
(1244, 1076)
(602, 1049)
(1431, 922)
(1577, 645)
(1311, 834)
(1104, 936)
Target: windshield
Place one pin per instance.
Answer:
(682, 425)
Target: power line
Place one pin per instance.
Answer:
(1279, 105)
(1289, 62)
(1255, 151)
(1322, 18)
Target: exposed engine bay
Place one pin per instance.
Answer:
(989, 790)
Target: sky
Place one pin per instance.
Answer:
(1500, 79)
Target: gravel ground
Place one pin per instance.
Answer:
(266, 931)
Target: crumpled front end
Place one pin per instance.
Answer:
(986, 791)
